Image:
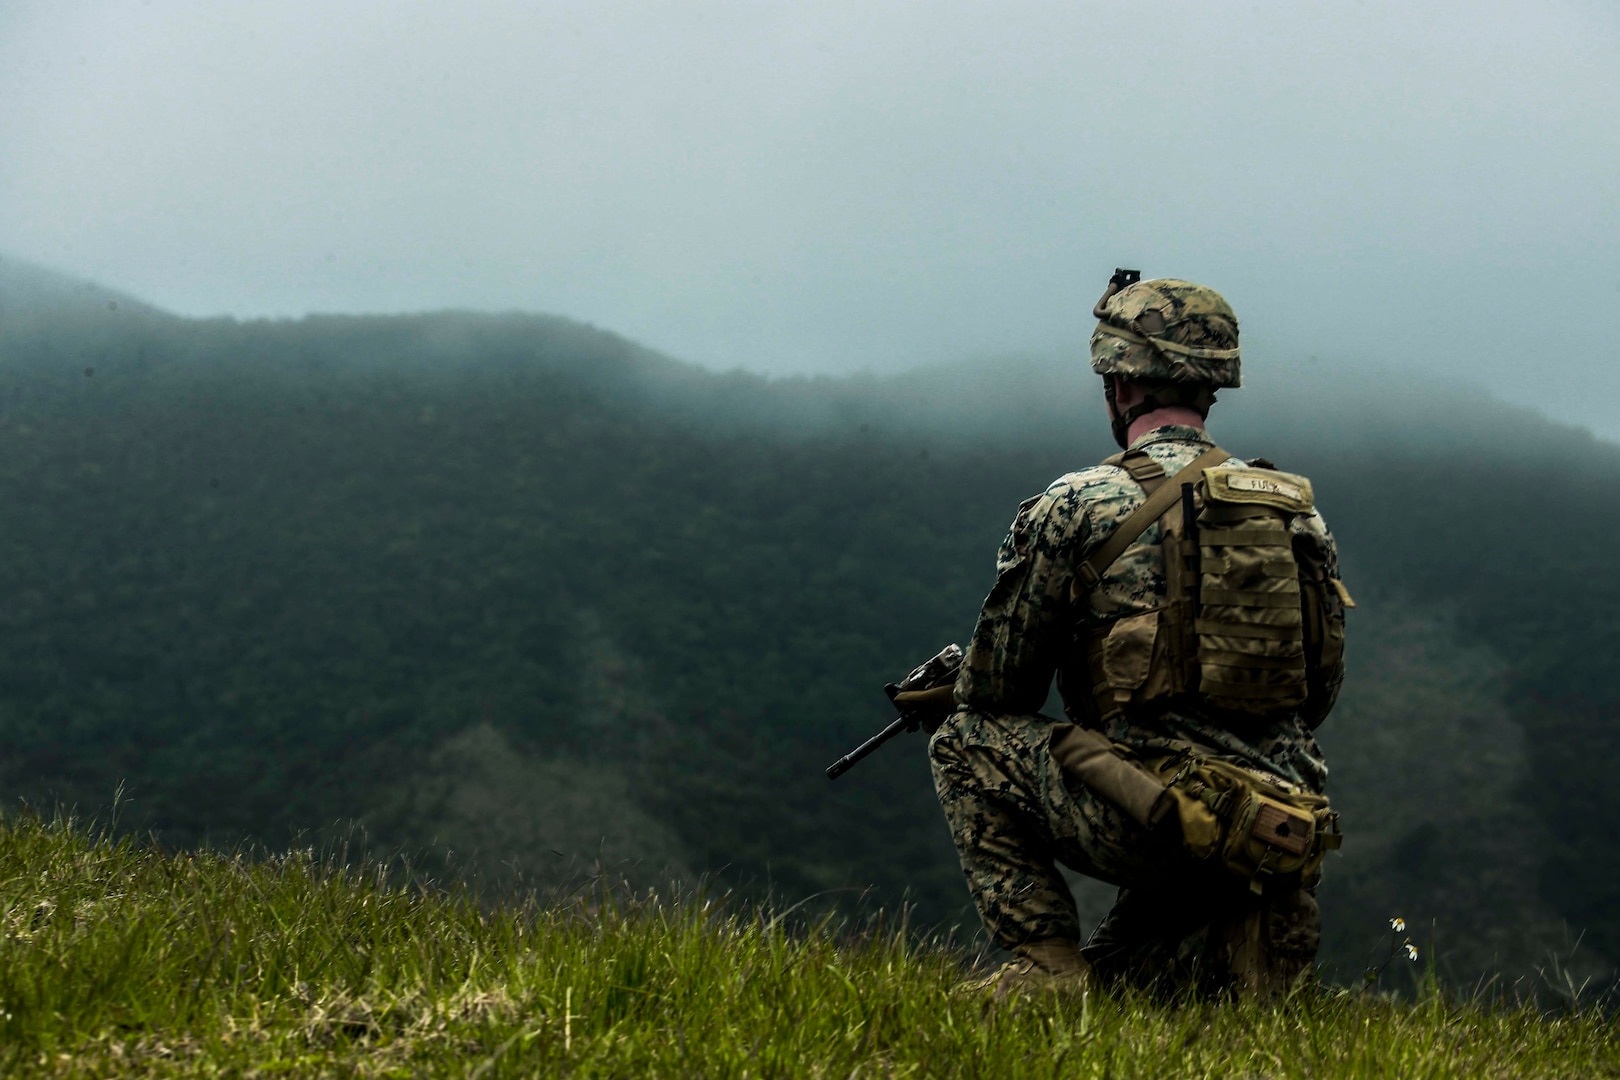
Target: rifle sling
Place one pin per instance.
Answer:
(1158, 501)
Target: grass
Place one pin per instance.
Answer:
(120, 959)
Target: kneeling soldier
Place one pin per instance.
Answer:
(1191, 608)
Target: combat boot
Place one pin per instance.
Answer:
(1051, 966)
(1268, 944)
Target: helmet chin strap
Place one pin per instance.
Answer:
(1193, 396)
(1120, 426)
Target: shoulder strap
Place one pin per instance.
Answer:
(1143, 469)
(1159, 499)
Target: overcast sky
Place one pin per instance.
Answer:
(829, 185)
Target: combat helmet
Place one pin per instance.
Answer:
(1180, 337)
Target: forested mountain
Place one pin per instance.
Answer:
(520, 590)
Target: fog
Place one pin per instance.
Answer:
(840, 186)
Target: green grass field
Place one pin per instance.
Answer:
(121, 960)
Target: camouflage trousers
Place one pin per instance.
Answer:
(1178, 922)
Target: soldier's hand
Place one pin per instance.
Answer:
(929, 707)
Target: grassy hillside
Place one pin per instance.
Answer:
(519, 595)
(116, 958)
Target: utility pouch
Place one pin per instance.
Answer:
(1261, 831)
(1266, 831)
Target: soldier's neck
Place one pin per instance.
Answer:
(1172, 414)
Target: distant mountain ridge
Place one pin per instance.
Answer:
(1010, 399)
(29, 289)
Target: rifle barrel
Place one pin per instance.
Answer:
(851, 759)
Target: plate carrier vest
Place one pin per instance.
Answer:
(1251, 621)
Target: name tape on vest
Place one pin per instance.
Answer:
(1269, 487)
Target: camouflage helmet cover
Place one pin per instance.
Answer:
(1168, 329)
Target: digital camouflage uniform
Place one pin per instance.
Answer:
(1014, 814)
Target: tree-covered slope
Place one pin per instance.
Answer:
(517, 588)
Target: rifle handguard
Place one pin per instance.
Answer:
(925, 709)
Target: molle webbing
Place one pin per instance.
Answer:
(1161, 497)
(1249, 634)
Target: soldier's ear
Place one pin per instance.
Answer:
(1127, 394)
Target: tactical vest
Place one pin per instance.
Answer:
(1251, 620)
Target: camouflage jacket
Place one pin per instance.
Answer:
(1028, 627)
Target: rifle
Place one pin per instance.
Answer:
(922, 698)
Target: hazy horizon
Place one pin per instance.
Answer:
(846, 187)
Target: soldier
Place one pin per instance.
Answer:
(1175, 670)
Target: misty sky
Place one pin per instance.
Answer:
(834, 185)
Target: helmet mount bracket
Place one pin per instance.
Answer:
(1120, 280)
